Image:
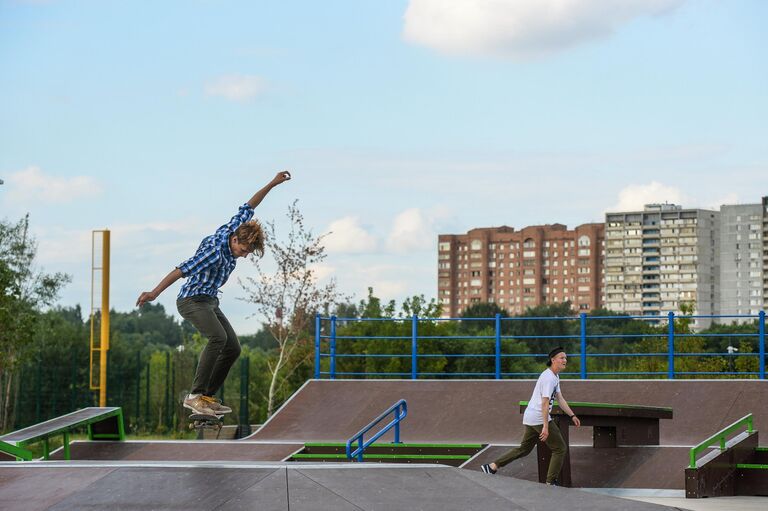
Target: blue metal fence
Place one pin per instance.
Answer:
(576, 335)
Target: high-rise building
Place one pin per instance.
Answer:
(741, 259)
(537, 265)
(661, 257)
(765, 251)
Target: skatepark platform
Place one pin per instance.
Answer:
(60, 486)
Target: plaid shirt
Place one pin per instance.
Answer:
(213, 262)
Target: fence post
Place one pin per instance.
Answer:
(317, 346)
(333, 347)
(671, 345)
(498, 346)
(583, 358)
(761, 332)
(147, 421)
(73, 383)
(415, 347)
(38, 387)
(244, 426)
(138, 390)
(17, 417)
(173, 409)
(167, 419)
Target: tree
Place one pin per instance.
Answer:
(361, 338)
(25, 291)
(287, 298)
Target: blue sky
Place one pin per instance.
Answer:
(398, 119)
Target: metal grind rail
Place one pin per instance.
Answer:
(720, 438)
(399, 410)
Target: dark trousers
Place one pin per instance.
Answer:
(554, 441)
(222, 349)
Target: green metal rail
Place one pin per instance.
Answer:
(720, 437)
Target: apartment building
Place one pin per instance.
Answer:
(742, 259)
(521, 269)
(661, 257)
(765, 250)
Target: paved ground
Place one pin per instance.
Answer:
(676, 499)
(333, 487)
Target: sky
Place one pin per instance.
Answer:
(399, 120)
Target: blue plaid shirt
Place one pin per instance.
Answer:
(213, 262)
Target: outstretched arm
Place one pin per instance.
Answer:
(148, 296)
(281, 177)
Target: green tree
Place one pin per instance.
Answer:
(25, 291)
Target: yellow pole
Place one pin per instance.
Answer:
(104, 343)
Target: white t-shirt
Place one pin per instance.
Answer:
(548, 385)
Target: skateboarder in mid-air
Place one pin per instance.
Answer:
(538, 422)
(198, 302)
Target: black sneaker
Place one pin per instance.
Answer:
(487, 469)
(554, 483)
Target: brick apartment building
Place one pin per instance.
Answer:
(537, 265)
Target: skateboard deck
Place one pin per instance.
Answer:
(202, 421)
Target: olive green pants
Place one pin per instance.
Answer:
(554, 441)
(222, 349)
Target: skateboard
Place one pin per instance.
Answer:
(200, 421)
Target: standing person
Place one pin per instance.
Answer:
(198, 302)
(538, 422)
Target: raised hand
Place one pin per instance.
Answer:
(281, 177)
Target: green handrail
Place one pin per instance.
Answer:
(18, 452)
(720, 437)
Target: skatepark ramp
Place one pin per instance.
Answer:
(487, 412)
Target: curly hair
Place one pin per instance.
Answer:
(251, 234)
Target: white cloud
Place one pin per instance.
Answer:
(323, 272)
(348, 236)
(133, 242)
(31, 184)
(520, 28)
(412, 230)
(635, 197)
(729, 198)
(236, 87)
